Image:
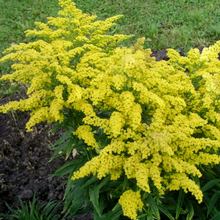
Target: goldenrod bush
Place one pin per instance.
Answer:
(160, 119)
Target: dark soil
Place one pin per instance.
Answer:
(24, 167)
(162, 54)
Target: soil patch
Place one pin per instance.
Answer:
(24, 167)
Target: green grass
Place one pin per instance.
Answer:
(18, 15)
(176, 24)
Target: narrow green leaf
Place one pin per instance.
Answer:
(191, 212)
(210, 184)
(217, 216)
(179, 204)
(74, 198)
(69, 167)
(91, 180)
(212, 202)
(154, 208)
(166, 212)
(94, 196)
(114, 214)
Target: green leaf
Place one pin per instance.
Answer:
(91, 180)
(210, 184)
(216, 217)
(154, 208)
(94, 198)
(114, 214)
(64, 145)
(212, 202)
(75, 198)
(191, 211)
(179, 204)
(94, 192)
(166, 212)
(70, 167)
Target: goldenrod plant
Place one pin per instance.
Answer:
(148, 126)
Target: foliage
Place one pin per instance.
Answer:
(142, 128)
(33, 210)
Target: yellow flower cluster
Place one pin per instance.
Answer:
(131, 203)
(84, 132)
(161, 119)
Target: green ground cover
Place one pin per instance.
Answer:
(176, 24)
(16, 16)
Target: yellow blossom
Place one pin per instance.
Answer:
(84, 132)
(131, 203)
